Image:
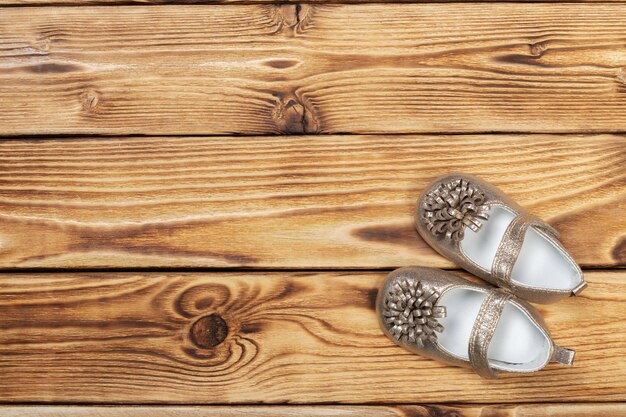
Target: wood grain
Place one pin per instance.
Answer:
(288, 202)
(256, 69)
(522, 410)
(237, 2)
(291, 337)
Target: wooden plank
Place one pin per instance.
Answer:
(313, 68)
(296, 202)
(268, 337)
(522, 410)
(213, 2)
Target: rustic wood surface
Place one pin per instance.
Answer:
(252, 69)
(237, 2)
(268, 337)
(297, 202)
(125, 188)
(523, 410)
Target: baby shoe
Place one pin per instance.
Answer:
(477, 226)
(447, 318)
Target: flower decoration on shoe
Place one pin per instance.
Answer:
(452, 206)
(410, 311)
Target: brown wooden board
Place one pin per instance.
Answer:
(239, 2)
(288, 202)
(522, 410)
(265, 69)
(268, 337)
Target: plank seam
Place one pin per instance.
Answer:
(295, 405)
(234, 270)
(70, 136)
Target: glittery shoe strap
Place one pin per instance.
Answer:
(483, 330)
(511, 245)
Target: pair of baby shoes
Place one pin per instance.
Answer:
(487, 328)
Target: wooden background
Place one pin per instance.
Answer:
(198, 202)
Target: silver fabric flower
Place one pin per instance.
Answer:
(452, 206)
(411, 313)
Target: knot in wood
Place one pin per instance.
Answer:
(537, 49)
(90, 100)
(289, 115)
(40, 46)
(209, 331)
